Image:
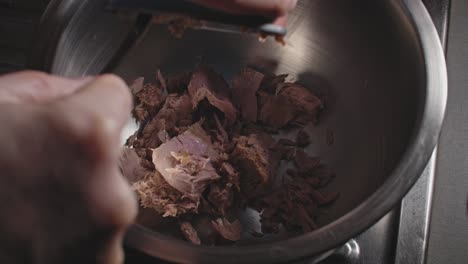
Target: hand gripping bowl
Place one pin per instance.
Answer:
(380, 62)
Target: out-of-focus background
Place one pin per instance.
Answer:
(18, 19)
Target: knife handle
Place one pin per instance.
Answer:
(196, 11)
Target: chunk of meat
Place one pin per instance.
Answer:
(207, 234)
(148, 98)
(270, 83)
(228, 230)
(232, 174)
(306, 103)
(175, 109)
(275, 111)
(296, 204)
(130, 165)
(302, 139)
(256, 160)
(221, 197)
(244, 93)
(286, 148)
(293, 104)
(207, 84)
(178, 83)
(137, 85)
(185, 161)
(190, 233)
(154, 192)
(162, 81)
(286, 142)
(304, 162)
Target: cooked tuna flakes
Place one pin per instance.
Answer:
(207, 148)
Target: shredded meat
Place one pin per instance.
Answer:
(175, 110)
(205, 151)
(154, 192)
(244, 93)
(185, 161)
(228, 230)
(206, 84)
(190, 233)
(256, 161)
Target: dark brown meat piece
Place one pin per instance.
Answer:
(256, 161)
(286, 149)
(302, 139)
(221, 197)
(293, 105)
(175, 109)
(286, 142)
(304, 162)
(275, 111)
(148, 97)
(231, 174)
(178, 83)
(228, 230)
(177, 24)
(162, 81)
(190, 233)
(306, 103)
(185, 161)
(295, 204)
(270, 83)
(151, 95)
(207, 84)
(244, 93)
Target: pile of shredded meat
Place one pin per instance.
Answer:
(209, 148)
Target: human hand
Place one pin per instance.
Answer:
(62, 197)
(277, 9)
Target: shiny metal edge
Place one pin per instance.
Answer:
(402, 180)
(415, 217)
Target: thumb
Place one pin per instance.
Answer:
(37, 87)
(95, 115)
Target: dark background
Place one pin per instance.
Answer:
(448, 241)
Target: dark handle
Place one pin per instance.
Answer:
(190, 9)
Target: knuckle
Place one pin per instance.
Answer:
(81, 128)
(121, 91)
(37, 79)
(112, 79)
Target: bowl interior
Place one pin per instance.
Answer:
(358, 53)
(364, 55)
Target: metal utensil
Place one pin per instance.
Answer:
(210, 19)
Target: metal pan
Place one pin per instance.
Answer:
(381, 63)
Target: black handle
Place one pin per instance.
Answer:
(190, 9)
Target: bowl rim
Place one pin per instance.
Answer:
(338, 232)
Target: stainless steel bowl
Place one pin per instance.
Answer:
(380, 61)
